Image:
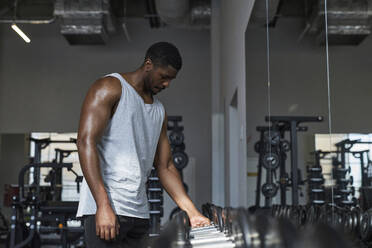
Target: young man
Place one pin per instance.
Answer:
(122, 134)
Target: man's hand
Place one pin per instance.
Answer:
(107, 225)
(199, 221)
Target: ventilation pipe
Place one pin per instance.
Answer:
(184, 13)
(349, 21)
(84, 22)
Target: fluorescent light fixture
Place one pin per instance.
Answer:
(20, 33)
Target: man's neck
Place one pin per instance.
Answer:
(136, 79)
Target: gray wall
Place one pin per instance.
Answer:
(298, 83)
(42, 84)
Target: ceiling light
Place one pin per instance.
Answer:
(20, 33)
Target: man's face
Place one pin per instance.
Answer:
(159, 78)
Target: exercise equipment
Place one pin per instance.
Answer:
(239, 228)
(32, 214)
(273, 150)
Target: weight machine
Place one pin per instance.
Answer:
(273, 149)
(44, 215)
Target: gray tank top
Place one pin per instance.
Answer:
(126, 151)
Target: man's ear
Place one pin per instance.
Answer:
(148, 65)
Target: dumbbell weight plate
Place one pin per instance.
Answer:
(257, 147)
(311, 214)
(302, 215)
(355, 220)
(315, 169)
(295, 215)
(269, 189)
(180, 160)
(270, 161)
(272, 137)
(285, 145)
(366, 226)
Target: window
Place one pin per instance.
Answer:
(48, 154)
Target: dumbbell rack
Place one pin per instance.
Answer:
(156, 199)
(292, 123)
(355, 223)
(154, 188)
(180, 158)
(287, 227)
(344, 147)
(315, 182)
(342, 191)
(272, 149)
(315, 179)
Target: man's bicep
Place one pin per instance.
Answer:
(163, 152)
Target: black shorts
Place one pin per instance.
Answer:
(133, 233)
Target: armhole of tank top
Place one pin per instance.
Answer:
(114, 75)
(162, 111)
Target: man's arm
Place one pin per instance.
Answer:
(172, 182)
(97, 109)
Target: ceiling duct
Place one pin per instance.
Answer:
(258, 16)
(84, 22)
(184, 13)
(349, 21)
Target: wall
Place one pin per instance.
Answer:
(228, 77)
(42, 84)
(298, 83)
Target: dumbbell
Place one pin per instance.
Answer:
(357, 215)
(180, 159)
(270, 161)
(343, 170)
(159, 212)
(366, 226)
(295, 215)
(257, 146)
(156, 201)
(344, 181)
(285, 146)
(269, 190)
(153, 173)
(274, 210)
(272, 137)
(312, 214)
(217, 217)
(155, 193)
(156, 206)
(153, 182)
(316, 180)
(347, 203)
(347, 191)
(314, 170)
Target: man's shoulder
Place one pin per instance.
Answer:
(107, 86)
(108, 83)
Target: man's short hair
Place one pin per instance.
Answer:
(164, 54)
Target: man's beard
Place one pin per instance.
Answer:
(148, 87)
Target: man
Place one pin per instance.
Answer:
(122, 134)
